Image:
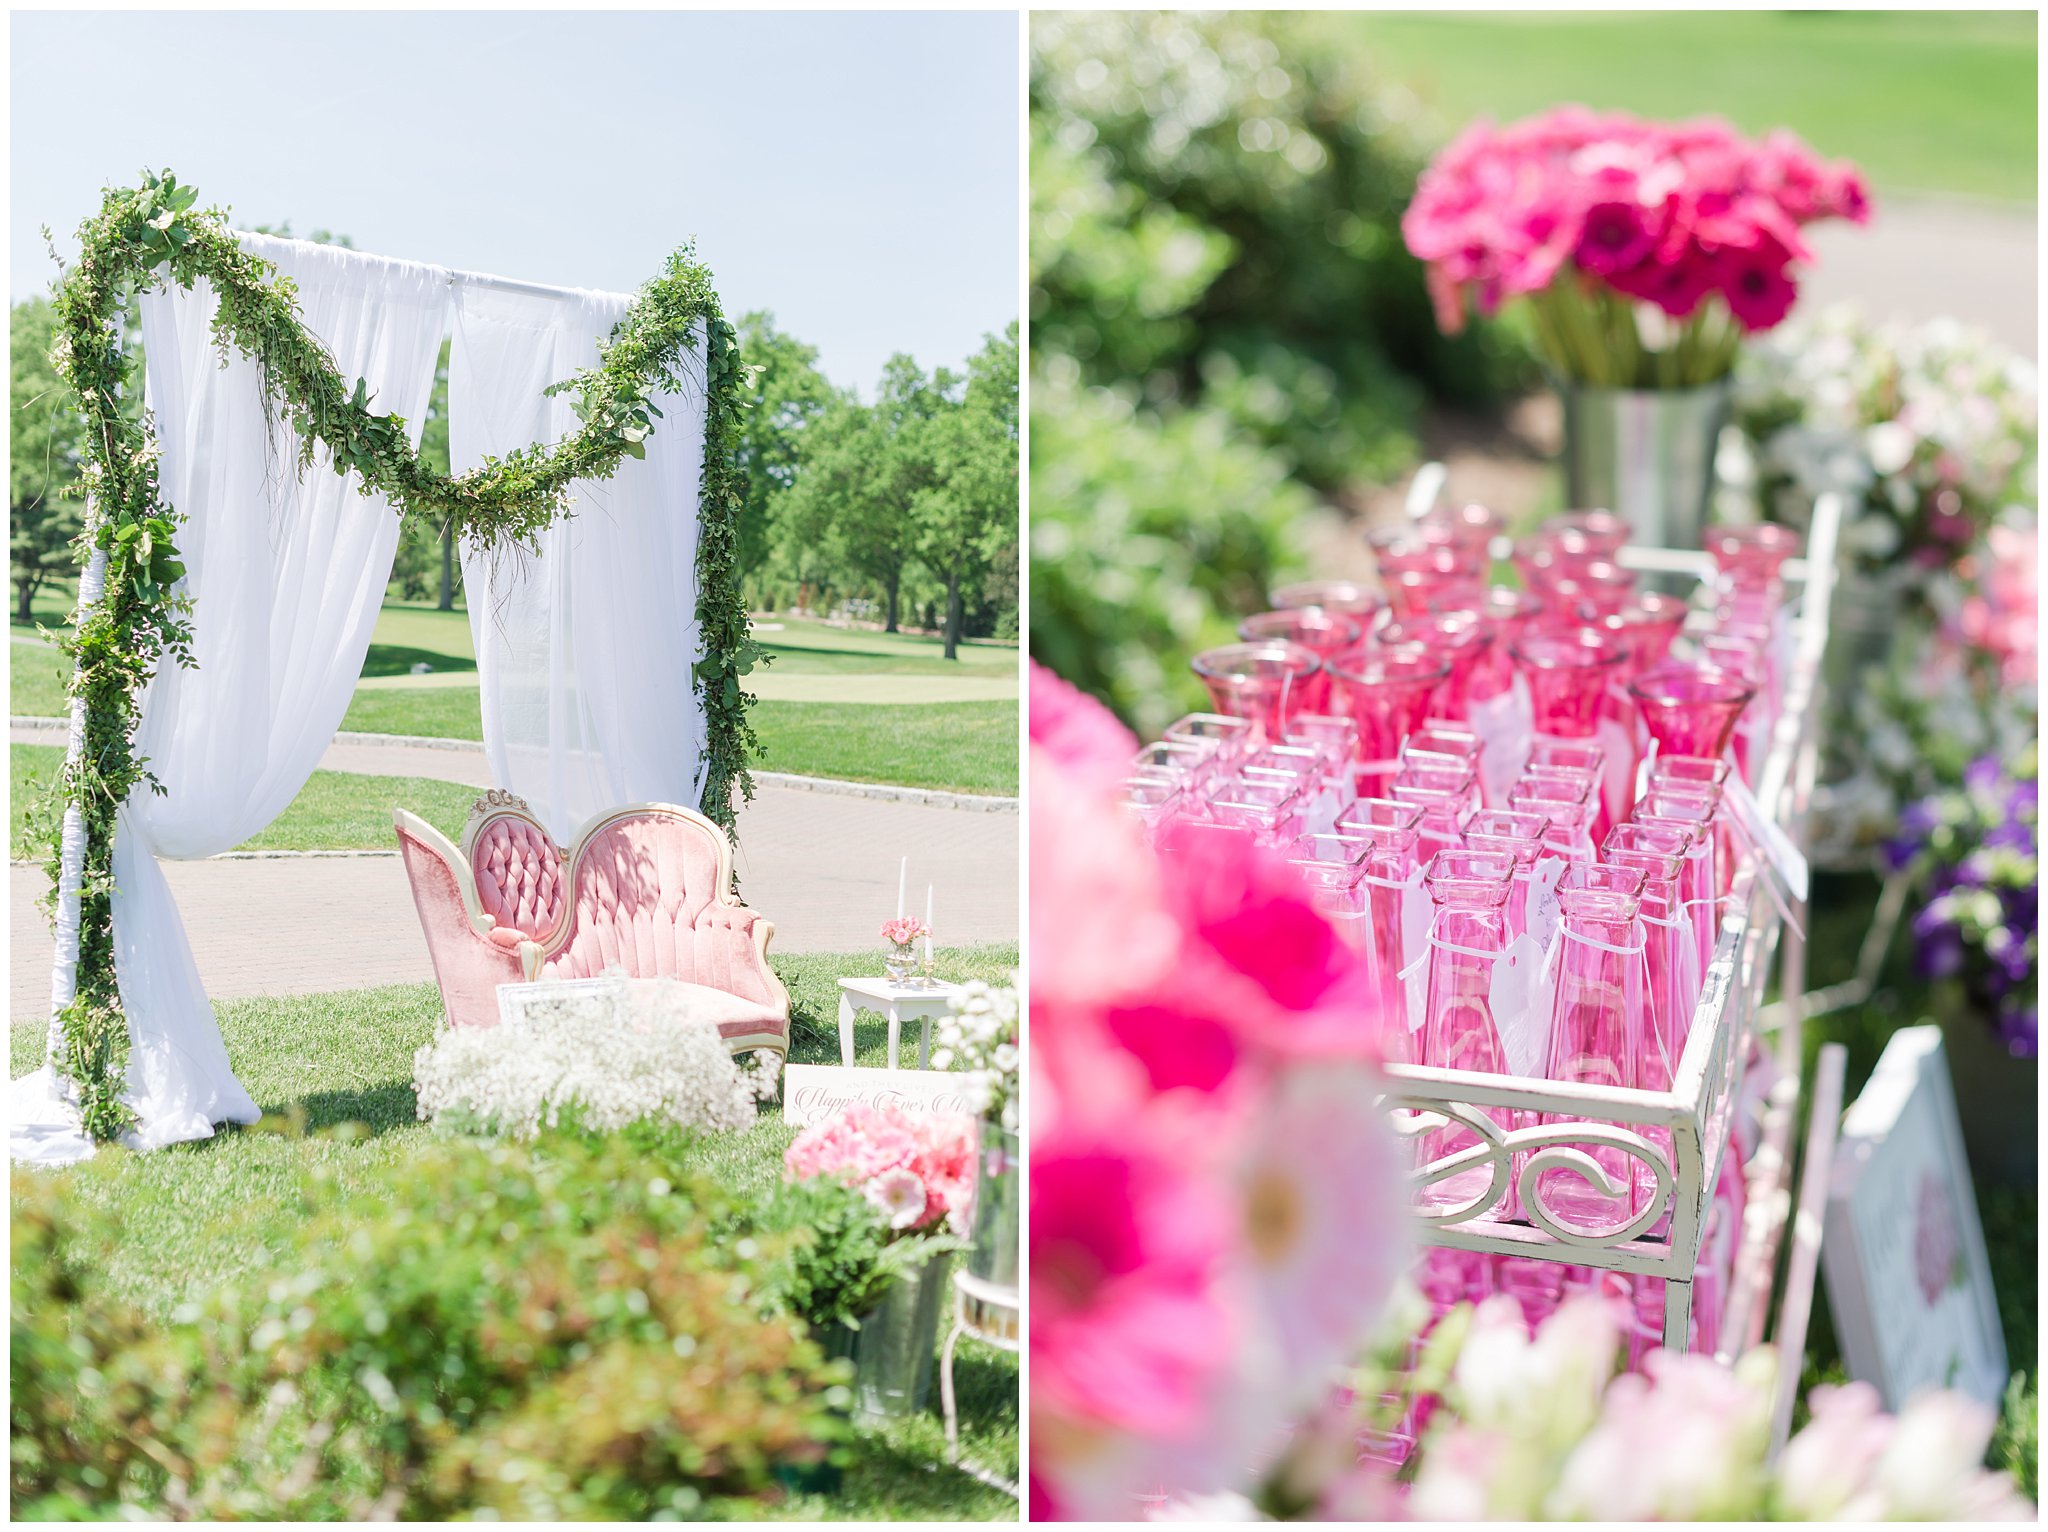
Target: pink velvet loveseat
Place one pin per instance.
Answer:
(644, 889)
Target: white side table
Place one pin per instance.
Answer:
(894, 1001)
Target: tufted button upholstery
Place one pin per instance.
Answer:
(518, 876)
(646, 901)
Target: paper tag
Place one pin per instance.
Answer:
(1503, 724)
(1416, 913)
(1541, 911)
(1780, 855)
(1521, 996)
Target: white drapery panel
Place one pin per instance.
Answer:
(585, 650)
(286, 573)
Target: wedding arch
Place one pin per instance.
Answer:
(300, 575)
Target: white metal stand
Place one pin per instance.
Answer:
(990, 1314)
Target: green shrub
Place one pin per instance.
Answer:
(549, 1330)
(835, 1257)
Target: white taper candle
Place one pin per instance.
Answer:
(927, 922)
(902, 884)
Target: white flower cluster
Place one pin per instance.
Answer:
(1889, 414)
(979, 1038)
(618, 1058)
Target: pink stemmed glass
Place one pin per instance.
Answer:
(1386, 693)
(1260, 683)
(1460, 638)
(1568, 671)
(1321, 632)
(1690, 709)
(1346, 596)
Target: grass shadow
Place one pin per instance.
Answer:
(398, 660)
(379, 1108)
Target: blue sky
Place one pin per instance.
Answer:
(855, 173)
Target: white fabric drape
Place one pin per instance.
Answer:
(286, 574)
(585, 650)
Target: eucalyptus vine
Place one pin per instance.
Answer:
(148, 237)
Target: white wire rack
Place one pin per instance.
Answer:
(1673, 1141)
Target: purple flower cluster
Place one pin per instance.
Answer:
(1977, 850)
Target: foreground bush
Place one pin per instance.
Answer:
(527, 1332)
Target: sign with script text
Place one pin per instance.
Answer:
(1908, 1282)
(814, 1091)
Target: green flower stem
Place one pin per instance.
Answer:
(149, 237)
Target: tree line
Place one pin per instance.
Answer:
(905, 508)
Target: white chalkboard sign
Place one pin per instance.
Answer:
(1909, 1285)
(814, 1091)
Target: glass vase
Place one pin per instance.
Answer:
(1385, 693)
(998, 1207)
(1468, 891)
(1596, 1031)
(1321, 633)
(1260, 683)
(1690, 709)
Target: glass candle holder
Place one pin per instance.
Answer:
(1568, 670)
(1385, 693)
(1690, 709)
(1260, 683)
(1321, 632)
(1459, 639)
(1346, 596)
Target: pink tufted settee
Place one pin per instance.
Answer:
(645, 890)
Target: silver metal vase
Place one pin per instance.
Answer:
(1647, 455)
(893, 1349)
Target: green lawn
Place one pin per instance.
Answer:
(196, 1216)
(1930, 101)
(335, 811)
(968, 746)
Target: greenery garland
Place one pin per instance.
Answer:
(147, 237)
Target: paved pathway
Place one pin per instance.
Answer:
(821, 865)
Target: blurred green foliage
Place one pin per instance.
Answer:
(1225, 322)
(563, 1330)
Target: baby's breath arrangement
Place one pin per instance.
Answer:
(603, 1062)
(979, 1038)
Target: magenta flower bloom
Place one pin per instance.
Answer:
(1616, 236)
(1757, 284)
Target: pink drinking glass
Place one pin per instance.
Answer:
(1260, 683)
(1690, 709)
(1320, 632)
(1386, 694)
(1568, 670)
(1469, 891)
(1596, 1027)
(1459, 638)
(1346, 596)
(1224, 737)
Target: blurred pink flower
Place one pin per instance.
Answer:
(1077, 731)
(1756, 283)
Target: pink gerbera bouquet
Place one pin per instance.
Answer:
(1647, 250)
(917, 1169)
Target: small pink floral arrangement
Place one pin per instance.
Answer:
(904, 930)
(1611, 225)
(917, 1169)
